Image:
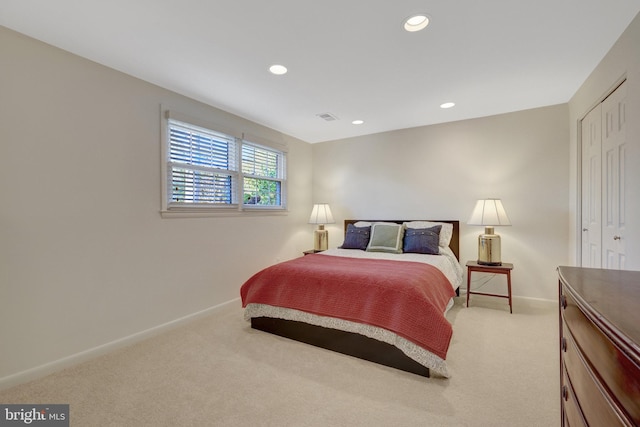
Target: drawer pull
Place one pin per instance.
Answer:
(563, 344)
(565, 393)
(563, 301)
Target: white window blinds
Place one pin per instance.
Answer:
(202, 165)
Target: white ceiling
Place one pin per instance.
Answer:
(350, 58)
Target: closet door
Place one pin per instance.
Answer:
(604, 187)
(614, 185)
(592, 188)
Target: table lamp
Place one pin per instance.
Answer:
(490, 213)
(321, 215)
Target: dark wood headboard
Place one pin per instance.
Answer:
(455, 239)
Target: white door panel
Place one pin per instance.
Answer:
(614, 184)
(592, 188)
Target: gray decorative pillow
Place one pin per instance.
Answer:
(422, 240)
(386, 237)
(356, 237)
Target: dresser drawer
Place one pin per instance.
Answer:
(596, 404)
(573, 415)
(614, 368)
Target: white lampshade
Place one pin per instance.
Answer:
(321, 214)
(489, 212)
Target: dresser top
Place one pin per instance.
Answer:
(613, 295)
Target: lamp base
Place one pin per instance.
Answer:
(489, 248)
(320, 239)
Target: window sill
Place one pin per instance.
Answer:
(217, 213)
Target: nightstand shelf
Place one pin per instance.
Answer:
(311, 251)
(505, 268)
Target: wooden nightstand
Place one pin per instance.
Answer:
(505, 268)
(311, 251)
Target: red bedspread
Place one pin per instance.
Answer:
(408, 298)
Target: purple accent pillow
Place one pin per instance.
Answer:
(422, 240)
(356, 237)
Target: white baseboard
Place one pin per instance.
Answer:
(83, 356)
(534, 301)
(519, 303)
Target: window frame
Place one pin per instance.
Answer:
(237, 206)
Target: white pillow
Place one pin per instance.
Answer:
(445, 233)
(362, 224)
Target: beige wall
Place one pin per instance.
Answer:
(438, 172)
(85, 258)
(621, 62)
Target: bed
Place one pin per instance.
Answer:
(382, 296)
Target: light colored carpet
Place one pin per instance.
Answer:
(217, 371)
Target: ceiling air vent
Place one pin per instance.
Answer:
(327, 116)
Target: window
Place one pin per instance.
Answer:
(262, 171)
(211, 170)
(202, 166)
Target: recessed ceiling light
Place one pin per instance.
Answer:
(416, 22)
(278, 70)
(447, 105)
(357, 122)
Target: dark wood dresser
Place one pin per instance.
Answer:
(599, 347)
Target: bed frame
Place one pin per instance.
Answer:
(350, 343)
